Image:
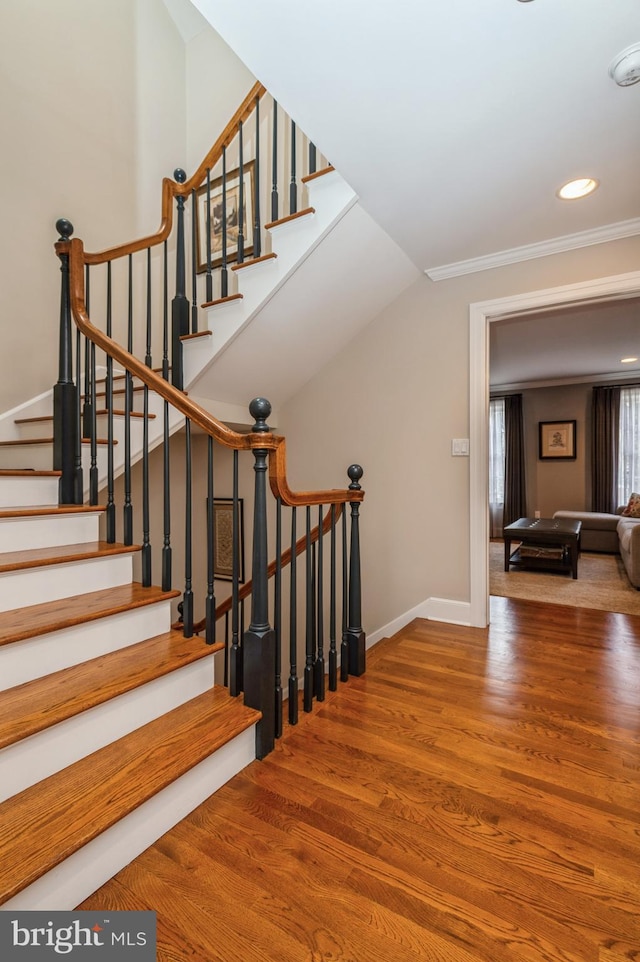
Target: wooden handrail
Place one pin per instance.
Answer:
(273, 443)
(285, 557)
(171, 189)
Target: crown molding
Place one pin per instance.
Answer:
(557, 245)
(631, 377)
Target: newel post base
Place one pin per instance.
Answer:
(354, 635)
(259, 664)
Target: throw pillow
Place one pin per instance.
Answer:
(632, 509)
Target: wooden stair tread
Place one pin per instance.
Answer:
(42, 619)
(49, 440)
(30, 511)
(223, 300)
(289, 218)
(46, 823)
(37, 557)
(43, 702)
(100, 413)
(28, 473)
(317, 173)
(254, 260)
(190, 337)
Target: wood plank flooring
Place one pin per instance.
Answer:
(473, 798)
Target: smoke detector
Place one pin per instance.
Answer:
(625, 68)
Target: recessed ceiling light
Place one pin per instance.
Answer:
(577, 188)
(628, 360)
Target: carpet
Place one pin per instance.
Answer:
(602, 583)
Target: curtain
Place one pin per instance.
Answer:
(605, 443)
(496, 466)
(629, 452)
(515, 501)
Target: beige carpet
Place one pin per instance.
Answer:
(601, 583)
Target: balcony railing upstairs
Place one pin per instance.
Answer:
(132, 313)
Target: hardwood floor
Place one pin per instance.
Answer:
(475, 797)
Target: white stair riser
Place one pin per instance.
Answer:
(34, 586)
(78, 876)
(32, 658)
(18, 457)
(39, 756)
(49, 530)
(16, 492)
(35, 429)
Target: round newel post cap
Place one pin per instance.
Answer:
(180, 175)
(64, 228)
(355, 472)
(260, 409)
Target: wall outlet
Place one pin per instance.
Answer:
(460, 447)
(536, 514)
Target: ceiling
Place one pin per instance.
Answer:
(576, 343)
(456, 123)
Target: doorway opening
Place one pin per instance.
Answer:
(481, 315)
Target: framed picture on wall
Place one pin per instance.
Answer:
(223, 539)
(212, 209)
(557, 440)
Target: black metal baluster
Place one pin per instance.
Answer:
(277, 618)
(307, 700)
(319, 664)
(128, 380)
(187, 598)
(65, 392)
(224, 271)
(355, 635)
(257, 240)
(89, 427)
(242, 618)
(166, 475)
(235, 678)
(241, 198)
(259, 641)
(194, 275)
(180, 304)
(78, 468)
(344, 646)
(312, 158)
(209, 277)
(87, 411)
(293, 187)
(111, 505)
(226, 649)
(165, 313)
(93, 469)
(274, 164)
(146, 522)
(293, 626)
(210, 604)
(333, 654)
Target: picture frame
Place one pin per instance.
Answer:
(232, 202)
(557, 440)
(223, 539)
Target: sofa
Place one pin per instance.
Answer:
(613, 533)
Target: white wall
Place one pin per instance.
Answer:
(393, 400)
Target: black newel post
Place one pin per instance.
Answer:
(259, 640)
(180, 303)
(64, 392)
(355, 635)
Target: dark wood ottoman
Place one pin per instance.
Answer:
(549, 543)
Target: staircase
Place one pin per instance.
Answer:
(111, 726)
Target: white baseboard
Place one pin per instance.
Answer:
(433, 609)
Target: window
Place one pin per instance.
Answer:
(629, 449)
(496, 451)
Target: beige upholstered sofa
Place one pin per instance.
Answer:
(610, 533)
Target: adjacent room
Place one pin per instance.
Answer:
(564, 413)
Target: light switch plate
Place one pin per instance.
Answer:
(460, 447)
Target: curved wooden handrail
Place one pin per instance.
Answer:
(171, 189)
(273, 443)
(247, 588)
